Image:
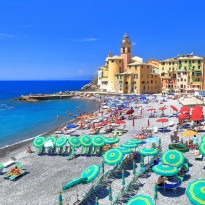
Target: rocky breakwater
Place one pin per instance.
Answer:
(92, 86)
(26, 98)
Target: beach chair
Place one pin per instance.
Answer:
(170, 186)
(95, 150)
(14, 177)
(72, 154)
(9, 163)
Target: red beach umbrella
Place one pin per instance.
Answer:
(182, 116)
(120, 122)
(162, 120)
(129, 112)
(174, 108)
(151, 109)
(196, 118)
(162, 108)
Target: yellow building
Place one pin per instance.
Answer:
(127, 74)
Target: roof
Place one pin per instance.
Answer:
(125, 73)
(136, 63)
(114, 57)
(169, 59)
(189, 57)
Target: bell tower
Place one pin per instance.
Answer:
(126, 51)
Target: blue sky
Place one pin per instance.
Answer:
(70, 39)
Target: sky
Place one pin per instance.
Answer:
(70, 39)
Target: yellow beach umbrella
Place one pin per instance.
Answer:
(188, 133)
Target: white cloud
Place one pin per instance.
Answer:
(83, 39)
(134, 43)
(5, 36)
(80, 72)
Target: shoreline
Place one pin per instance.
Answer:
(5, 150)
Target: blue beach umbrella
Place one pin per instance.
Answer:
(71, 126)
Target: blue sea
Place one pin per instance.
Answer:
(26, 119)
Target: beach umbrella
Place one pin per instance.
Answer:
(110, 192)
(119, 122)
(148, 151)
(188, 133)
(111, 140)
(86, 140)
(60, 199)
(140, 200)
(162, 108)
(179, 147)
(74, 182)
(129, 112)
(182, 116)
(52, 139)
(196, 192)
(103, 167)
(203, 139)
(129, 145)
(74, 142)
(98, 141)
(142, 161)
(123, 177)
(151, 109)
(202, 148)
(96, 201)
(155, 192)
(106, 123)
(125, 150)
(174, 108)
(162, 120)
(135, 141)
(113, 156)
(61, 141)
(133, 167)
(38, 142)
(91, 172)
(173, 158)
(165, 170)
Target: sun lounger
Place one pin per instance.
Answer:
(199, 157)
(14, 177)
(72, 154)
(95, 150)
(9, 163)
(171, 124)
(83, 151)
(170, 186)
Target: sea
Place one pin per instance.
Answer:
(24, 120)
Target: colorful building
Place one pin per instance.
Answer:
(127, 74)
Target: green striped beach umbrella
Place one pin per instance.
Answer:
(52, 139)
(123, 177)
(173, 158)
(155, 192)
(39, 142)
(74, 142)
(202, 148)
(60, 199)
(98, 141)
(196, 192)
(74, 182)
(142, 162)
(129, 145)
(179, 147)
(203, 139)
(96, 201)
(125, 150)
(165, 170)
(148, 151)
(135, 141)
(61, 142)
(103, 167)
(86, 140)
(110, 192)
(91, 172)
(111, 140)
(113, 156)
(140, 200)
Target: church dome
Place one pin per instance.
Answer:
(126, 39)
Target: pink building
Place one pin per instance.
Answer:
(182, 80)
(169, 83)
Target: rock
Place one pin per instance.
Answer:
(92, 86)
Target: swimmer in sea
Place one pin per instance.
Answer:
(76, 107)
(69, 114)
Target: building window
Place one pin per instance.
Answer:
(185, 61)
(184, 79)
(173, 69)
(129, 66)
(169, 68)
(162, 68)
(172, 63)
(128, 50)
(112, 61)
(120, 77)
(126, 83)
(179, 62)
(169, 63)
(199, 67)
(123, 50)
(147, 66)
(199, 61)
(127, 76)
(135, 76)
(119, 61)
(142, 66)
(117, 77)
(135, 66)
(126, 88)
(193, 61)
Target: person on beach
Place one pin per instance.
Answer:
(29, 150)
(161, 181)
(195, 142)
(12, 171)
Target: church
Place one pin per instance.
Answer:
(127, 74)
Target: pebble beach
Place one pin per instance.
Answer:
(47, 174)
